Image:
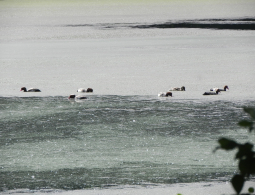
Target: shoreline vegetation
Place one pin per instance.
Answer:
(224, 24)
(217, 24)
(245, 154)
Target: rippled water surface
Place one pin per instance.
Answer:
(128, 52)
(51, 142)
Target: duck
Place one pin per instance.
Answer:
(178, 89)
(212, 92)
(224, 89)
(79, 97)
(24, 89)
(82, 90)
(163, 94)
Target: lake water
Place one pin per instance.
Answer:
(128, 52)
(52, 142)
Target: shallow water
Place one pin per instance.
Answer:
(51, 142)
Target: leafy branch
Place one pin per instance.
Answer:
(245, 154)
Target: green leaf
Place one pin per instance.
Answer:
(237, 183)
(244, 167)
(251, 190)
(247, 166)
(227, 144)
(245, 123)
(250, 111)
(244, 151)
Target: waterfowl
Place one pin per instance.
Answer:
(80, 97)
(212, 92)
(225, 88)
(178, 89)
(82, 90)
(162, 94)
(24, 89)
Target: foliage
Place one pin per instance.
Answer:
(245, 154)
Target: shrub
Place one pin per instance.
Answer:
(245, 154)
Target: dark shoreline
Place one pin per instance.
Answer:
(217, 24)
(224, 24)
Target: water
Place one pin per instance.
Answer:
(128, 52)
(118, 48)
(54, 143)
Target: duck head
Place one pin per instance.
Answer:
(169, 94)
(72, 96)
(226, 87)
(23, 89)
(89, 90)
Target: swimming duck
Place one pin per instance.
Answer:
(79, 97)
(162, 94)
(225, 88)
(82, 90)
(24, 89)
(212, 92)
(178, 89)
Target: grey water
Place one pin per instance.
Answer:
(109, 140)
(128, 52)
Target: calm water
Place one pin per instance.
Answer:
(127, 47)
(51, 142)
